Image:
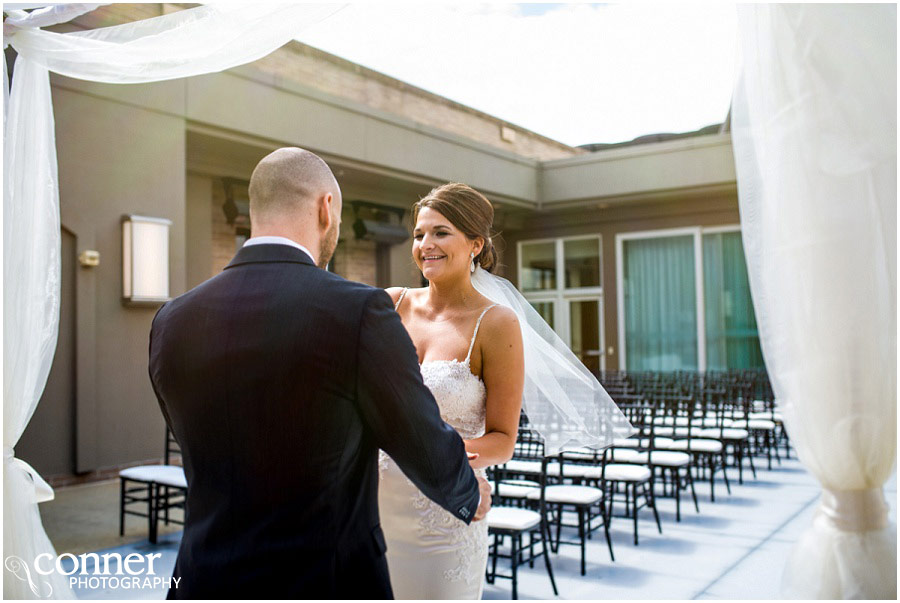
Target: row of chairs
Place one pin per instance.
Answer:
(688, 428)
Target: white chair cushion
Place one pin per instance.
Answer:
(710, 422)
(626, 473)
(669, 431)
(509, 518)
(518, 466)
(670, 421)
(763, 424)
(664, 458)
(580, 455)
(724, 434)
(623, 455)
(514, 491)
(768, 415)
(696, 444)
(571, 470)
(167, 475)
(630, 443)
(521, 482)
(579, 495)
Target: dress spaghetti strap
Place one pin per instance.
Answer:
(475, 334)
(400, 299)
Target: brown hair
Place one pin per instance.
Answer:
(469, 211)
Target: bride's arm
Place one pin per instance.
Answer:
(503, 373)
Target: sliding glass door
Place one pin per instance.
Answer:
(684, 301)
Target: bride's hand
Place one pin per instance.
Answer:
(472, 456)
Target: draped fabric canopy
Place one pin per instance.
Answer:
(815, 132)
(182, 44)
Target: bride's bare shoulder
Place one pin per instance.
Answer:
(396, 292)
(500, 325)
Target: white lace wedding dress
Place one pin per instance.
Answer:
(430, 553)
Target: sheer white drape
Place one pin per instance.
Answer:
(814, 131)
(191, 42)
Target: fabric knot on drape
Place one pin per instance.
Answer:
(855, 510)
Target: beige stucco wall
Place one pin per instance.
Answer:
(103, 174)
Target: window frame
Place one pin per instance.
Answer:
(697, 233)
(561, 296)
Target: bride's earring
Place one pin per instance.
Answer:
(472, 265)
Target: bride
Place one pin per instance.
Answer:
(471, 356)
(485, 354)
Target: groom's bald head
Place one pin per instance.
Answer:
(287, 183)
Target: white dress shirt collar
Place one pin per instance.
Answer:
(270, 240)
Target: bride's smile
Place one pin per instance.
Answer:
(440, 249)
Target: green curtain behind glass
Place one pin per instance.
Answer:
(660, 304)
(732, 340)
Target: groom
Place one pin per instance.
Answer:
(280, 382)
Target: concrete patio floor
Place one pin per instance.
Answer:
(735, 548)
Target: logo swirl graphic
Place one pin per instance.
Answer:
(20, 570)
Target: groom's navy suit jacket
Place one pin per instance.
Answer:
(280, 382)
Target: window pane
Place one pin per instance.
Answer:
(732, 339)
(660, 304)
(538, 266)
(545, 309)
(584, 317)
(582, 261)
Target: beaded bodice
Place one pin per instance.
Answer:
(460, 395)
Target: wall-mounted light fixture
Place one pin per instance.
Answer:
(145, 260)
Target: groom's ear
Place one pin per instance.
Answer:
(323, 210)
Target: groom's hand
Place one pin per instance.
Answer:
(484, 488)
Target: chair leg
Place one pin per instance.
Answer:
(651, 500)
(738, 451)
(152, 511)
(545, 536)
(634, 511)
(677, 481)
(514, 556)
(690, 479)
(725, 471)
(558, 528)
(712, 480)
(774, 441)
(497, 540)
(165, 497)
(121, 506)
(609, 509)
(750, 457)
(583, 539)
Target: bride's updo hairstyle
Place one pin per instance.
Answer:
(469, 211)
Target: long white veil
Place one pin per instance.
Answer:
(563, 400)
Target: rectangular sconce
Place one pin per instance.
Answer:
(145, 260)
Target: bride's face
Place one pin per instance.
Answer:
(439, 248)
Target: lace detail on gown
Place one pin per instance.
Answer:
(461, 397)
